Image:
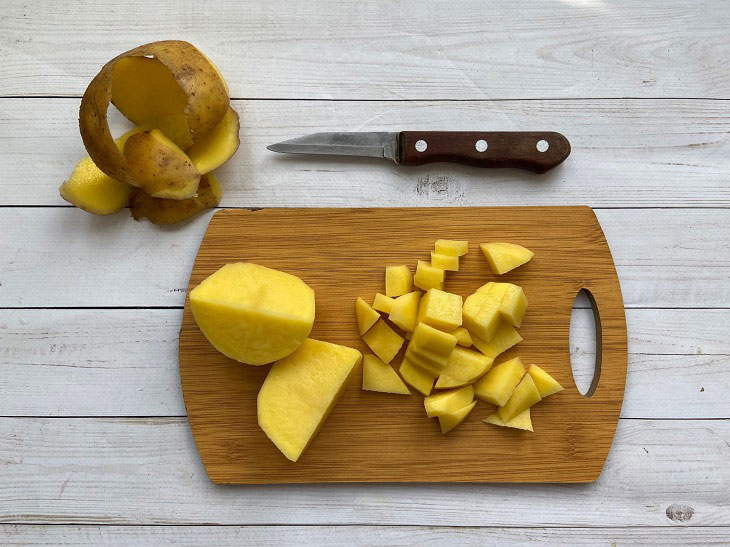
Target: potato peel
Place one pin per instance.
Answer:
(171, 211)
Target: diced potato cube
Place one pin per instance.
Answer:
(504, 338)
(366, 316)
(404, 312)
(430, 339)
(441, 310)
(546, 384)
(463, 338)
(379, 376)
(383, 340)
(416, 377)
(503, 257)
(497, 385)
(445, 262)
(485, 322)
(450, 420)
(448, 401)
(451, 247)
(383, 303)
(465, 366)
(523, 397)
(398, 280)
(427, 360)
(521, 421)
(513, 305)
(428, 277)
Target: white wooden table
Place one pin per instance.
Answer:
(95, 447)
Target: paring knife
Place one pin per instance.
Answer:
(536, 151)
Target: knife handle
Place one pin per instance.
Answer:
(536, 151)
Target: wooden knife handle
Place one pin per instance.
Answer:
(536, 151)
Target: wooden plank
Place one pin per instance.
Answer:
(664, 258)
(336, 536)
(124, 363)
(641, 153)
(331, 49)
(371, 438)
(146, 471)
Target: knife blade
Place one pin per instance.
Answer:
(536, 151)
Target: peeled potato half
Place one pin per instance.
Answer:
(169, 82)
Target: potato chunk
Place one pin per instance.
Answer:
(513, 305)
(497, 385)
(383, 303)
(504, 257)
(504, 338)
(441, 310)
(451, 247)
(521, 421)
(464, 367)
(546, 384)
(415, 376)
(88, 188)
(383, 340)
(428, 338)
(398, 280)
(404, 312)
(301, 390)
(366, 316)
(448, 401)
(481, 312)
(523, 397)
(379, 376)
(428, 277)
(253, 314)
(463, 338)
(450, 420)
(445, 262)
(218, 146)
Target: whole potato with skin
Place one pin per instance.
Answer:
(199, 79)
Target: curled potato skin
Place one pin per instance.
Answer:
(171, 211)
(207, 101)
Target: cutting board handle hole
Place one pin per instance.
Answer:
(585, 343)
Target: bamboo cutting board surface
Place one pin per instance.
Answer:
(377, 437)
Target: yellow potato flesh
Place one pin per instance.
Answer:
(546, 384)
(160, 167)
(217, 147)
(441, 310)
(415, 376)
(379, 376)
(504, 338)
(430, 339)
(513, 305)
(504, 257)
(451, 247)
(398, 280)
(448, 401)
(383, 303)
(428, 361)
(465, 366)
(523, 397)
(497, 385)
(463, 338)
(521, 421)
(405, 310)
(301, 390)
(253, 314)
(366, 316)
(383, 340)
(450, 420)
(171, 211)
(88, 188)
(445, 262)
(428, 277)
(484, 322)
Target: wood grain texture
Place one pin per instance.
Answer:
(341, 254)
(665, 258)
(625, 153)
(146, 471)
(330, 49)
(336, 536)
(124, 362)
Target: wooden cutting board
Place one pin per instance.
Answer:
(376, 437)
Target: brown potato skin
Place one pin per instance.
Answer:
(207, 101)
(171, 211)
